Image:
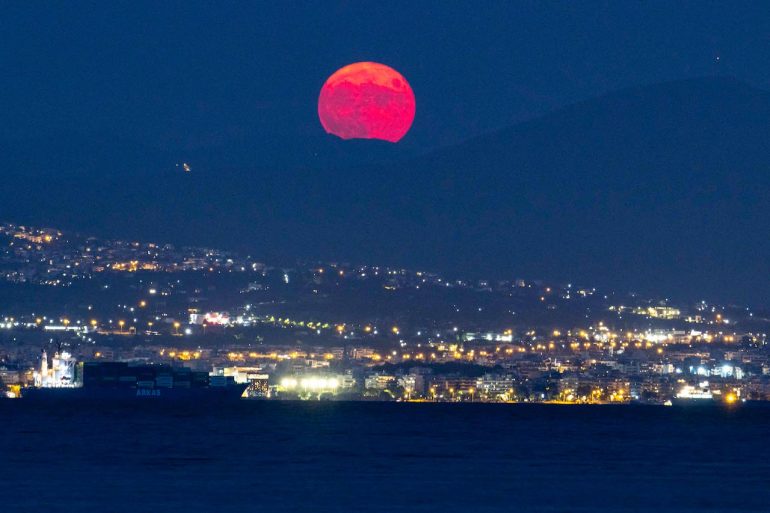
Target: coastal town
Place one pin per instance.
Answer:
(336, 331)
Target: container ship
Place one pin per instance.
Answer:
(121, 380)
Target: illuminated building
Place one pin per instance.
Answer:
(413, 384)
(662, 312)
(378, 381)
(507, 336)
(494, 384)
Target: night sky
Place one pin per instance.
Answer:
(190, 74)
(232, 88)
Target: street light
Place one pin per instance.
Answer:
(121, 324)
(176, 327)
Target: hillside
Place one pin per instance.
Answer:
(656, 189)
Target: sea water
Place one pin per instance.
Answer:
(386, 457)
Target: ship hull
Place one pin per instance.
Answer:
(208, 394)
(696, 402)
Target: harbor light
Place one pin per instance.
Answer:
(310, 383)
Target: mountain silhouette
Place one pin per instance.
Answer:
(660, 189)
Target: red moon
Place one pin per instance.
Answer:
(366, 100)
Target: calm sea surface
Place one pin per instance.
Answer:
(384, 457)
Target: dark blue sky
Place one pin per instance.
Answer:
(195, 73)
